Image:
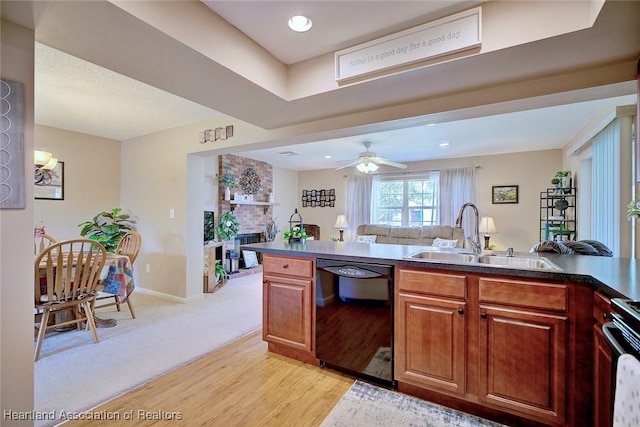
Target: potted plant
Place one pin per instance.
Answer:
(564, 178)
(227, 181)
(633, 210)
(220, 273)
(108, 228)
(296, 234)
(228, 226)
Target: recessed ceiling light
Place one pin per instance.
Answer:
(300, 23)
(444, 144)
(431, 124)
(328, 156)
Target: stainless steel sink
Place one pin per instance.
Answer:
(514, 262)
(517, 262)
(455, 257)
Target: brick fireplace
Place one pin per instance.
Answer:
(252, 218)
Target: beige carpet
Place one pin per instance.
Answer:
(369, 405)
(75, 374)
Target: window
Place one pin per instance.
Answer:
(406, 200)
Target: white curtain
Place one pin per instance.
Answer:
(358, 202)
(457, 187)
(605, 185)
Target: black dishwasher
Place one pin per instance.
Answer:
(354, 319)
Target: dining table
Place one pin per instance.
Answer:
(116, 277)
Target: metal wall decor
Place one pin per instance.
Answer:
(319, 198)
(12, 173)
(250, 181)
(211, 135)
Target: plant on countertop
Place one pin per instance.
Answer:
(226, 180)
(561, 174)
(108, 228)
(633, 210)
(228, 226)
(295, 233)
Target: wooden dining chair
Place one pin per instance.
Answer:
(40, 243)
(130, 246)
(66, 275)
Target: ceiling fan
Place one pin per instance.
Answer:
(368, 161)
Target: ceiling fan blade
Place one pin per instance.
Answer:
(348, 164)
(390, 163)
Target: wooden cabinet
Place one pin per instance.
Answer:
(602, 364)
(288, 285)
(501, 343)
(430, 334)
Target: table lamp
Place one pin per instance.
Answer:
(341, 224)
(487, 226)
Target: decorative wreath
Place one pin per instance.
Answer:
(250, 181)
(228, 226)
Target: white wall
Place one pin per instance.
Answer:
(16, 245)
(91, 180)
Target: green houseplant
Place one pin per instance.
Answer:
(108, 228)
(220, 272)
(228, 226)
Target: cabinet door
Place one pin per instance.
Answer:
(430, 342)
(287, 312)
(602, 380)
(523, 362)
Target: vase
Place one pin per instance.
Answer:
(227, 193)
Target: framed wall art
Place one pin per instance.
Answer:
(51, 186)
(504, 194)
(318, 198)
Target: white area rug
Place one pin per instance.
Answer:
(368, 405)
(75, 374)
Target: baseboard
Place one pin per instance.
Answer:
(169, 297)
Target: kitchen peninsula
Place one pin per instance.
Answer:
(515, 345)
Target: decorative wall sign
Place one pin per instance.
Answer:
(53, 188)
(319, 198)
(12, 173)
(250, 181)
(445, 36)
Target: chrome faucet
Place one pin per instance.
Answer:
(475, 240)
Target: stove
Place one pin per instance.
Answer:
(626, 330)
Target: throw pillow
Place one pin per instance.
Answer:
(444, 243)
(366, 239)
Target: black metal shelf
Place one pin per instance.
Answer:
(558, 214)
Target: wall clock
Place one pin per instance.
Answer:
(250, 181)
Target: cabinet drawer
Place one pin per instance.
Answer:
(450, 285)
(547, 296)
(601, 308)
(295, 267)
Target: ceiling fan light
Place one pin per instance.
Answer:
(367, 167)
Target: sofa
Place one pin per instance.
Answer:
(422, 236)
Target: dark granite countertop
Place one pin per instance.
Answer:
(617, 277)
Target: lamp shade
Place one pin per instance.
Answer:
(341, 222)
(41, 158)
(487, 225)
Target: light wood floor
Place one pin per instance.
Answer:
(241, 384)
